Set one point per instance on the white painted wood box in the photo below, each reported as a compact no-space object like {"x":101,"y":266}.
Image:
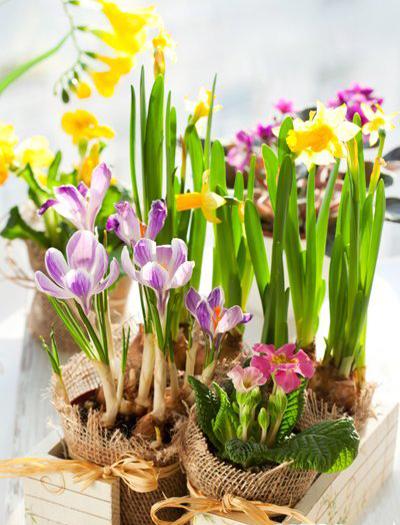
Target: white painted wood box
{"x":332,"y":499}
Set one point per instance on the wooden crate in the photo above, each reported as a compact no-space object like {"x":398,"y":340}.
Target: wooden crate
{"x":342,"y":497}
{"x":332,"y":499}
{"x":57,"y":500}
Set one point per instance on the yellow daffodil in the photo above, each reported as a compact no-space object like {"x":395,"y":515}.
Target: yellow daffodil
{"x":206,"y":200}
{"x":105,"y":81}
{"x":163,"y":45}
{"x":36,"y":152}
{"x":378,"y":119}
{"x":82,"y":125}
{"x":8,"y":142}
{"x":82,"y":90}
{"x":322,"y":138}
{"x":88,"y":164}
{"x":201,"y":107}
{"x":129,"y":28}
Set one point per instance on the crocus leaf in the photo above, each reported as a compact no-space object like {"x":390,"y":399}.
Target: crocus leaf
{"x":271,"y":170}
{"x":132,"y":154}
{"x":207,"y":406}
{"x":218,"y":168}
{"x":329,"y":446}
{"x":17,"y":228}
{"x":53,"y":172}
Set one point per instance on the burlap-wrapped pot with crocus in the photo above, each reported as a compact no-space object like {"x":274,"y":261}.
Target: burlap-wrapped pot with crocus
{"x":59,"y":204}
{"x":241,"y":438}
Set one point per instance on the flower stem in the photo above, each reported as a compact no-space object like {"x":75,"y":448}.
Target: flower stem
{"x":146,"y":371}
{"x":174,"y":381}
{"x":191,"y":355}
{"x":110,"y":394}
{"x":160,"y":383}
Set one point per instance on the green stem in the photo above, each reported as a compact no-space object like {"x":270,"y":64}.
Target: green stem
{"x":21,"y":70}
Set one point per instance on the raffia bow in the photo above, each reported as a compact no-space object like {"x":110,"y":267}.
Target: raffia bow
{"x":259,"y":513}
{"x":138,"y":474}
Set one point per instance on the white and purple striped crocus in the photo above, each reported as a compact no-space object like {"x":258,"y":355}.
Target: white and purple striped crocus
{"x":81,"y":205}
{"x":130,"y":229}
{"x":82,"y":275}
{"x":214,"y":319}
{"x":161,"y":268}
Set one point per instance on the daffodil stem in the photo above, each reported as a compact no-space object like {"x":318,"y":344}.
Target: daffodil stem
{"x":21,"y":70}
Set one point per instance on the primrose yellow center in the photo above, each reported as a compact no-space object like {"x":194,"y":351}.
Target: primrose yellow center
{"x":317,"y":139}
{"x":281,"y":359}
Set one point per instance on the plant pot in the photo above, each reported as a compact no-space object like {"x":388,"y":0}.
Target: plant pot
{"x":86,"y":439}
{"x":213,"y":477}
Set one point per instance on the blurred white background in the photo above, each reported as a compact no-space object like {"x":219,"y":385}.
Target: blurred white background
{"x":261,"y":50}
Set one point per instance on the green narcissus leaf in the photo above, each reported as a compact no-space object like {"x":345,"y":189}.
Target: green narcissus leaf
{"x":283,"y":148}
{"x":17,"y":228}
{"x":329,"y":446}
{"x":53,"y":172}
{"x":207,"y":406}
{"x":294,"y":408}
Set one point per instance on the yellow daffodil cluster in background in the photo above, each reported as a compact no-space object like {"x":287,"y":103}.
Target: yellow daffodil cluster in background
{"x":14,"y":156}
{"x":87,"y":134}
{"x":200,"y":108}
{"x":378,"y":120}
{"x":322,"y":138}
{"x":206,"y":200}
{"x":125,"y":36}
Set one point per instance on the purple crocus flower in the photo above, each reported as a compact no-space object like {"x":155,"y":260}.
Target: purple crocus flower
{"x":82,"y":275}
{"x":129,"y":229}
{"x":213,"y":318}
{"x":158,"y":267}
{"x":353,"y":97}
{"x":80,"y":205}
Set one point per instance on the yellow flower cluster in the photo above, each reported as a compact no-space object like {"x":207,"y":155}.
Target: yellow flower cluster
{"x":34,"y":151}
{"x":86,"y":132}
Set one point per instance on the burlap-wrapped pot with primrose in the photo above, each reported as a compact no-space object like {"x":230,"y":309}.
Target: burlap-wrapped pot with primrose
{"x":60,"y":203}
{"x":241,"y":438}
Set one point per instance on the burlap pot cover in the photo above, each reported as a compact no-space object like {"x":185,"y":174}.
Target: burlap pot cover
{"x":317,"y":409}
{"x":90,"y":441}
{"x":42,"y":317}
{"x":281,"y":485}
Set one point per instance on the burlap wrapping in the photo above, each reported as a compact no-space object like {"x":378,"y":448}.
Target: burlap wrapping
{"x":281,"y":485}
{"x":42,"y":317}
{"x":317,"y":409}
{"x":90,"y":441}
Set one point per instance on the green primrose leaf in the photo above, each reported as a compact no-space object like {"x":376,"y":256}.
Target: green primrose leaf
{"x":294,"y":408}
{"x":17,"y":228}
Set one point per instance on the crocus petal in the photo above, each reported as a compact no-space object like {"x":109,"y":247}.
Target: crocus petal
{"x":100,"y":265}
{"x":230,"y":318}
{"x":182,"y":275}
{"x":203,"y":316}
{"x":164,"y":255}
{"x":48,"y":204}
{"x":81,"y":250}
{"x":127,"y":264}
{"x":56,"y":265}
{"x":288,"y":380}
{"x":179,"y":254}
{"x":80,"y":284}
{"x":157,"y":216}
{"x":71,"y":205}
{"x":246,"y":318}
{"x":144,"y":251}
{"x":306,"y":366}
{"x":125,"y":223}
{"x":111,"y":277}
{"x":45,"y":285}
{"x":83,"y":189}
{"x":155,"y":276}
{"x":192,"y":299}
{"x":216,"y":298}
{"x":99,"y":185}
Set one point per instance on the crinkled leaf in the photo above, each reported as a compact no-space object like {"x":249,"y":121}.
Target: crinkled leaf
{"x":226,"y":421}
{"x":294,"y":408}
{"x":207,"y":406}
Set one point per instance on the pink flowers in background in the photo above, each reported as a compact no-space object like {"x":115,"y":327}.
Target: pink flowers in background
{"x":80,"y":205}
{"x":285,"y":106}
{"x":284,"y":364}
{"x":82,"y":275}
{"x":130,"y":229}
{"x":353,"y":97}
{"x":246,"y":379}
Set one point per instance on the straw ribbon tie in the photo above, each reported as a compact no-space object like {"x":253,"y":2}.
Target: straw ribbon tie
{"x":260,"y":513}
{"x":138,"y":474}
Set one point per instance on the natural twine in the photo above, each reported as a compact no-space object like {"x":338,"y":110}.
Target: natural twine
{"x":259,"y":513}
{"x":138,"y":474}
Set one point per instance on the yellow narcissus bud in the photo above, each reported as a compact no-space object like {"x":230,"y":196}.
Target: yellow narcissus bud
{"x":83,"y":126}
{"x":82,"y":90}
{"x":201,"y":107}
